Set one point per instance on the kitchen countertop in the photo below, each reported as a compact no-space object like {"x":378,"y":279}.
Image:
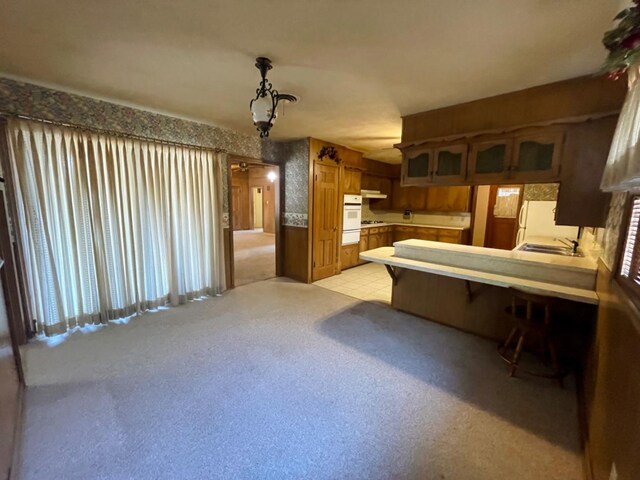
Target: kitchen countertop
{"x":553,"y":263}
{"x":446,"y":227}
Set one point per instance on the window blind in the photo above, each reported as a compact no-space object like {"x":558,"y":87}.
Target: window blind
{"x":630,"y":265}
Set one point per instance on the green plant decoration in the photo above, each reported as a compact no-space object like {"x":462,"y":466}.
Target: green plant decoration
{"x":623,"y":42}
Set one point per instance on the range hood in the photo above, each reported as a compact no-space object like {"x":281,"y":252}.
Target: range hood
{"x":372,"y":194}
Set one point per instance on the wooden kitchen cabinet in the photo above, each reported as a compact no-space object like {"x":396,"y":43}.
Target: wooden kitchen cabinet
{"x":408,"y":198}
{"x":536,"y":156}
{"x":489,"y":161}
{"x":381,"y":184}
{"x":349,"y":256}
{"x":406,"y":232}
{"x":585,"y":151}
{"x":450,"y":164}
{"x":417,"y":166}
{"x":448,"y":199}
{"x":352,"y":181}
{"x":364,"y":244}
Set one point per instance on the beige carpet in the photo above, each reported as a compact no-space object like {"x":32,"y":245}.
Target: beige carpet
{"x":282,"y":380}
{"x":255,"y":256}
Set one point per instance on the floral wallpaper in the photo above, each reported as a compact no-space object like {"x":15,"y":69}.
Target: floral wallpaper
{"x":541,"y":191}
{"x":45,"y":103}
{"x":294,"y":158}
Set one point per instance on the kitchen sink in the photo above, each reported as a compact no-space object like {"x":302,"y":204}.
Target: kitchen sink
{"x":550,"y":249}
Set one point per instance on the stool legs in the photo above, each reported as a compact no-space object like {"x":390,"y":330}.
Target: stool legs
{"x":507,"y":343}
{"x":516,"y":355}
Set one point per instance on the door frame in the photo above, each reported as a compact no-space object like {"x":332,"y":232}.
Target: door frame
{"x":229,"y":251}
{"x":493,"y":192}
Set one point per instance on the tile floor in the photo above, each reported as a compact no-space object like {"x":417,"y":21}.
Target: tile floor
{"x":369,"y":282}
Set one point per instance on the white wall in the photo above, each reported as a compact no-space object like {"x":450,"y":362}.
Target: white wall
{"x":480,"y":219}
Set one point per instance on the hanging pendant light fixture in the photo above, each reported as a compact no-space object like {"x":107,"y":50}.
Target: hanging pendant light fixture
{"x":264,"y":108}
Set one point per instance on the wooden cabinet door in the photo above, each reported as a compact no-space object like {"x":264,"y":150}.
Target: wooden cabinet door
{"x":325,"y":220}
{"x":417,"y":167}
{"x":408,"y":198}
{"x":399,"y":196}
{"x":376,"y":240}
{"x":489,"y":161}
{"x":537,"y":156}
{"x":401,"y":232}
{"x":349,"y":256}
{"x":425,"y":233}
{"x":450,"y":164}
{"x":364,"y":244}
{"x":352,"y":181}
{"x":382,"y":184}
{"x":450,"y":236}
{"x":448,"y":199}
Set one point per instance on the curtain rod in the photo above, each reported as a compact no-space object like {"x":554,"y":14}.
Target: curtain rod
{"x":116,"y":133}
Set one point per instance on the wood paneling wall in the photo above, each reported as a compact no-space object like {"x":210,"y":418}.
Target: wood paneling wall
{"x":296,"y":247}
{"x":612,"y":385}
{"x":578,"y":97}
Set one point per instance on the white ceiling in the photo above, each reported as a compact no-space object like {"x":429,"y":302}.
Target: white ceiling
{"x":356,"y":65}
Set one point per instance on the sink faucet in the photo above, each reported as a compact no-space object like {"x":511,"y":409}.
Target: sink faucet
{"x":572,"y":244}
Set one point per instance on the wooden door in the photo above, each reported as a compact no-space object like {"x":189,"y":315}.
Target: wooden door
{"x":326,"y":204}
{"x":240,"y":200}
{"x":240,"y":220}
{"x":502,"y":218}
{"x":269,"y":208}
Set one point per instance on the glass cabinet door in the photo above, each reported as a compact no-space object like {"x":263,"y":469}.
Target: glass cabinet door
{"x":450,"y":164}
{"x":417,"y":167}
{"x":490,"y":160}
{"x":537,"y":156}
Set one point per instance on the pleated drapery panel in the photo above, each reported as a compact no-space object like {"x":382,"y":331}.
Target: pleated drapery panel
{"x":113,"y":226}
{"x":622,"y":172}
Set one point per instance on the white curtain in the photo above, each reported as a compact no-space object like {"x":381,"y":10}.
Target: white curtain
{"x":623,"y":165}
{"x":112,"y":226}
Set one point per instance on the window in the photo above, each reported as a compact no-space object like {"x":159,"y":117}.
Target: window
{"x":630,"y":264}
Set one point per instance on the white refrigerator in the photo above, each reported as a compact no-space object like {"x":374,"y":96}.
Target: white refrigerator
{"x":537,"y":219}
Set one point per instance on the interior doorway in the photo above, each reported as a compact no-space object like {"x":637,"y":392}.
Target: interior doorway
{"x":254,"y":205}
{"x":504,"y":204}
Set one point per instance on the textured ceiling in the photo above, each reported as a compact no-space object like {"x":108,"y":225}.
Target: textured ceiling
{"x":356,"y":65}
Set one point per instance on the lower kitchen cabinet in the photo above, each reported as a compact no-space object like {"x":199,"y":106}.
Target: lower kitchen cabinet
{"x":349,"y":256}
{"x":406,"y":232}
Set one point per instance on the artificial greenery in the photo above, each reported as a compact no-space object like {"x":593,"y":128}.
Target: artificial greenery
{"x":623,"y":42}
{"x":331,"y":152}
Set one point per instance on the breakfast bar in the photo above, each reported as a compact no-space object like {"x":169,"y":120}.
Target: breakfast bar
{"x":467,"y":287}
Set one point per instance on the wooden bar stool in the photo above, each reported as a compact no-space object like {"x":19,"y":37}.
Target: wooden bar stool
{"x":532,"y":314}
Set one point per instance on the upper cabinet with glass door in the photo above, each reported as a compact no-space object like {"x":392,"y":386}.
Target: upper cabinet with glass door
{"x":537,"y":155}
{"x":450,"y":164}
{"x":417,"y":166}
{"x":489,"y":161}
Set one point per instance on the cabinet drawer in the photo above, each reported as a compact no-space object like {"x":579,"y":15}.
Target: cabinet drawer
{"x":402,"y":228}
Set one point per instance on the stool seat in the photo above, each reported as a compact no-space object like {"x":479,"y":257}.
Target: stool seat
{"x":532,"y":316}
